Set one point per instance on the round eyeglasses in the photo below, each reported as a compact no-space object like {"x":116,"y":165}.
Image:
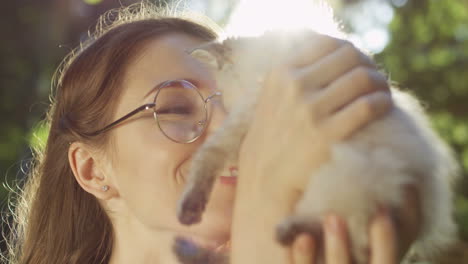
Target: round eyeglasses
{"x":178,"y":108}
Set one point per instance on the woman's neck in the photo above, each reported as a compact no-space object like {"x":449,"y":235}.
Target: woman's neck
{"x":142,"y":246}
{"x":135,"y":243}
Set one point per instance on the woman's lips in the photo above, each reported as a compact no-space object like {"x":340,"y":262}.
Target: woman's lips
{"x":232,"y":178}
{"x":228,"y":180}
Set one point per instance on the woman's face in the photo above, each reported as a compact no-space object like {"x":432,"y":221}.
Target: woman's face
{"x":148,"y":169}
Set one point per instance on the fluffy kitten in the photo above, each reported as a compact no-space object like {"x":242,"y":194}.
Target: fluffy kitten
{"x":369,"y":169}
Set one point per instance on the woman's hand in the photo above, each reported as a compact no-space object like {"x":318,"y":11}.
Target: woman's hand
{"x":383,"y":243}
{"x":322,"y":95}
{"x":391,"y":235}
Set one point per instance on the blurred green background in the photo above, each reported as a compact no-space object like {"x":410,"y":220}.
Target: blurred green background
{"x":422,"y":44}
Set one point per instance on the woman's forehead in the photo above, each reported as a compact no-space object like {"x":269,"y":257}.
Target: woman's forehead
{"x":165,"y":55}
{"x":164,"y":58}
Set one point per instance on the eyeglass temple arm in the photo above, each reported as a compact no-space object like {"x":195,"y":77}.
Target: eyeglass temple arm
{"x":123,"y":118}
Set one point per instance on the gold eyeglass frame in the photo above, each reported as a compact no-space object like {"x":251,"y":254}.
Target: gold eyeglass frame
{"x":155,"y":114}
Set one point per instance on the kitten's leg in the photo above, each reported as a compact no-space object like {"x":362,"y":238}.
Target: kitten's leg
{"x":207,"y":163}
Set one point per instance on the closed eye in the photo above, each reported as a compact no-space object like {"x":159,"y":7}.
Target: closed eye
{"x":183,"y":110}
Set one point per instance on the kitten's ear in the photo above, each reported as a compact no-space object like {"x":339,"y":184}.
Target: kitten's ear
{"x":212,"y":54}
{"x":205,"y":57}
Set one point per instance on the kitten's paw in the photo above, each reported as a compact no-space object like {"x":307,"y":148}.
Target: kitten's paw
{"x":292,"y":226}
{"x":191,"y":207}
{"x":186,"y":251}
{"x":189,"y":253}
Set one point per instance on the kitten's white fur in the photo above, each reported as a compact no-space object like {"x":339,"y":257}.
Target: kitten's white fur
{"x":369,"y":169}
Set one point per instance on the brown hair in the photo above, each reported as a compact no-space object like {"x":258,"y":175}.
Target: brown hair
{"x":56,"y":221}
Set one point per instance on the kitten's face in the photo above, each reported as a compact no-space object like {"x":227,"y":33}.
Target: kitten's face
{"x":238,"y":64}
{"x":241,"y":63}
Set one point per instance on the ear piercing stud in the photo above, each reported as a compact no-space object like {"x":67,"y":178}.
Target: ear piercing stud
{"x":105,"y":188}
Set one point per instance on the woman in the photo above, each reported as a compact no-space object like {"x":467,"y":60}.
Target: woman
{"x":106,"y":185}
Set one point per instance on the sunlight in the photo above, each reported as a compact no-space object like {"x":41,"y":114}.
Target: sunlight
{"x":375,"y":39}
{"x":253,"y":17}
{"x":368,"y":23}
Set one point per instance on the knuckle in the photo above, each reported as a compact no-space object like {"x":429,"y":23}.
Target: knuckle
{"x":286,"y":78}
{"x":354,"y":53}
{"x":351,"y":52}
{"x":366,"y":108}
{"x":309,"y":34}
{"x":364,"y":77}
{"x":330,"y":41}
{"x":281,"y":74}
{"x":382,"y":80}
{"x":346,"y":42}
{"x":290,"y":78}
{"x":318,"y":114}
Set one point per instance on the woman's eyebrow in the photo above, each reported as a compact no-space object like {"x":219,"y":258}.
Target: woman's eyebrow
{"x":156,"y":87}
{"x":152,"y":90}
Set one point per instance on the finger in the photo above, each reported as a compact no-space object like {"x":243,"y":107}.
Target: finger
{"x":383,"y":240}
{"x":315,"y":47}
{"x":336,"y":244}
{"x":304,"y":249}
{"x":347,"y":88}
{"x":284,"y":75}
{"x":407,"y":219}
{"x":359,"y":113}
{"x":332,"y":66}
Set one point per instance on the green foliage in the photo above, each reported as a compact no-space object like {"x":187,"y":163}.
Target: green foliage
{"x":92,"y":2}
{"x":38,"y":136}
{"x":461,"y":214}
{"x":428,"y":54}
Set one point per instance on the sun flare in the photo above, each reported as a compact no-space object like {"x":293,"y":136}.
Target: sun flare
{"x":253,"y":17}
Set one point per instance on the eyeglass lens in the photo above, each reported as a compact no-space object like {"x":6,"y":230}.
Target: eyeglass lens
{"x":180,"y":111}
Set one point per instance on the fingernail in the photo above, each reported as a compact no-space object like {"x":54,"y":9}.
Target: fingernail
{"x":384,"y":213}
{"x":333,"y":223}
{"x":382,"y":210}
{"x":381,"y":101}
{"x":305,"y":243}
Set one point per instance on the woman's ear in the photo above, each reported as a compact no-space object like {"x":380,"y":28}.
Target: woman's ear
{"x":88,"y":174}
